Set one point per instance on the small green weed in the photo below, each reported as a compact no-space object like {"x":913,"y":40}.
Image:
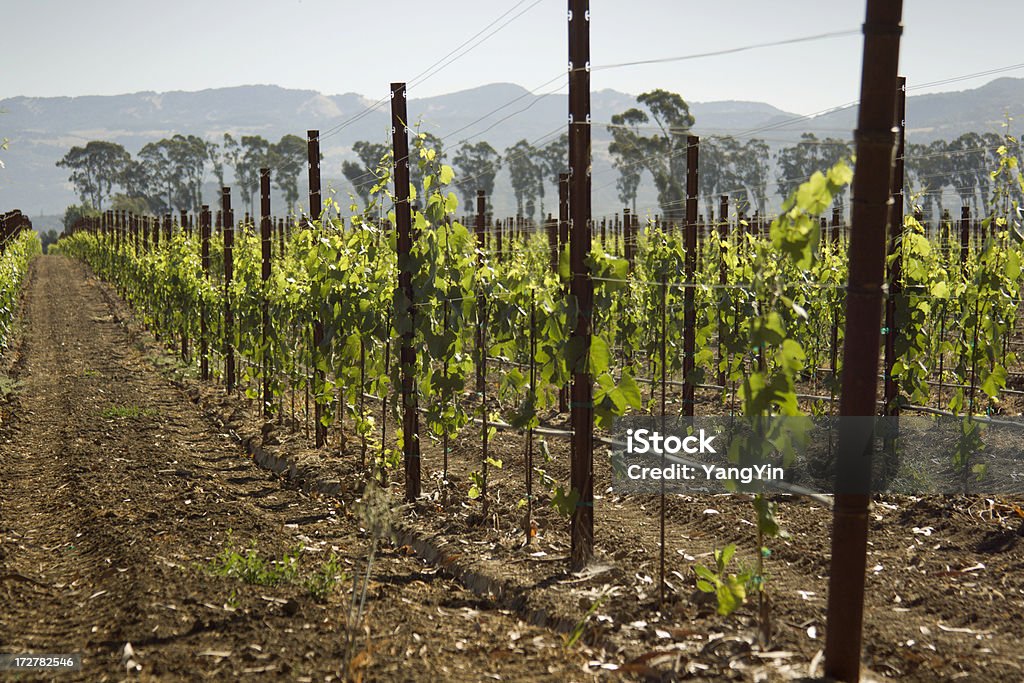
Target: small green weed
{"x":250,"y":568}
{"x":323,"y":582}
{"x":730,"y":589}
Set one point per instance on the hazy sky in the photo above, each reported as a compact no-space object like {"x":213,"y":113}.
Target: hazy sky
{"x":74,"y":47}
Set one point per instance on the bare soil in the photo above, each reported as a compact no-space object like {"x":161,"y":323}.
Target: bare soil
{"x":117,"y":494}
{"x":118,"y":491}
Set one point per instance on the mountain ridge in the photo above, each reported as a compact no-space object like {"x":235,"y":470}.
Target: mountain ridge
{"x":41,"y":130}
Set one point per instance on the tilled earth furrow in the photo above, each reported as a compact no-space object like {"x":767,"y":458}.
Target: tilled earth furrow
{"x":117,"y":497}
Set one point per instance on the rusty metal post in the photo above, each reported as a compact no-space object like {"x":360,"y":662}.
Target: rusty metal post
{"x":266,"y":232}
{"x":891,"y":393}
{"x":965,"y":235}
{"x":481,"y":239}
{"x":403,"y":220}
{"x":723,"y":278}
{"x":551,"y":228}
{"x":498,"y":246}
{"x":581,"y":406}
{"x":690,"y":269}
{"x":627,"y":239}
{"x":872,"y":187}
{"x":315,"y":214}
{"x":204,"y":343}
{"x":563,"y":241}
{"x":228,"y":230}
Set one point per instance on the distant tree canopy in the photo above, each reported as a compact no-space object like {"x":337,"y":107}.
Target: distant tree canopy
{"x":798,"y":162}
{"x":363,"y":174}
{"x":288,"y":159}
{"x":526,"y":175}
{"x":662,"y":153}
{"x":95,"y":169}
{"x":553,"y":161}
{"x":76,"y":212}
{"x":167,"y":175}
{"x":477,"y":165}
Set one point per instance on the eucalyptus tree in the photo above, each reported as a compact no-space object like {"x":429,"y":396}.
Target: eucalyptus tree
{"x":253,"y":153}
{"x":663,"y":153}
{"x":478,"y":164}
{"x":553,"y":159}
{"x":966,"y":167}
{"x":156,"y":175}
{"x":188,"y":156}
{"x":288,"y":159}
{"x":798,"y":162}
{"x":95,"y":169}
{"x":526,"y":176}
{"x":752,"y":168}
{"x":719,"y":162}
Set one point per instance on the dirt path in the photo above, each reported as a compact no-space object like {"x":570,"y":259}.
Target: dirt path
{"x":117,"y":496}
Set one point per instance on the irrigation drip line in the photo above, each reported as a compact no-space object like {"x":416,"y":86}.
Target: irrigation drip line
{"x":973,"y":418}
{"x":782,"y":486}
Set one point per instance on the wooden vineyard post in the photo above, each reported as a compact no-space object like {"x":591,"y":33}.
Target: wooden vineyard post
{"x":227,"y":219}
{"x":891,"y":393}
{"x":315,"y":214}
{"x":837,"y":220}
{"x":183,"y":224}
{"x":723,"y":280}
{"x":581,"y":286}
{"x":168,"y":225}
{"x":690,"y":269}
{"x":266,"y":232}
{"x":407,"y":357}
{"x":481,"y":239}
{"x":872,"y":187}
{"x":204,"y":343}
{"x":563,"y":241}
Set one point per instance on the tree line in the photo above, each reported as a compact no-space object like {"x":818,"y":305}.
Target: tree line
{"x":648,"y":140}
{"x":169,"y":174}
{"x":651,"y":138}
{"x":963,"y":165}
{"x":532,"y":170}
